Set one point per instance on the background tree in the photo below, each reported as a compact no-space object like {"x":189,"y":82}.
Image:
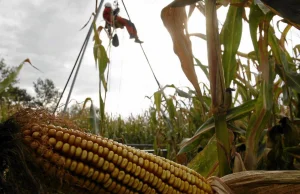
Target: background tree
{"x":47,"y":94}
{"x":19,"y":96}
{"x":13,"y":94}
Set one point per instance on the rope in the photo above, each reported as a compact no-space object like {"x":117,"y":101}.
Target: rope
{"x":159,"y":86}
{"x":150,"y":67}
{"x":126,"y":10}
{"x":144,"y":51}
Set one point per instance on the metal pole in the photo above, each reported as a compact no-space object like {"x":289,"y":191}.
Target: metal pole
{"x":83,"y":52}
{"x":61,"y":95}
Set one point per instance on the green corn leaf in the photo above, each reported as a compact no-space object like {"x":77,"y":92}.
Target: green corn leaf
{"x":96,"y":35}
{"x":255,"y":17}
{"x":247,"y":85}
{"x":205,"y":162}
{"x":180,"y":93}
{"x":221,"y":36}
{"x":205,"y":87}
{"x":102,"y":59}
{"x":284,"y":34}
{"x":196,"y":109}
{"x":278,"y":89}
{"x":285,"y":97}
{"x":94,"y":120}
{"x":100,"y":56}
{"x":95,"y":51}
{"x":102,"y":64}
{"x":204,"y":68}
{"x":241,"y":91}
{"x":209,"y":124}
{"x":206,"y":101}
{"x":262,"y":112}
{"x":278,"y":53}
{"x":12,"y":76}
{"x":240,"y":111}
{"x":293,"y":80}
{"x":259,"y":120}
{"x":236,"y":129}
{"x":235,"y":99}
{"x":103,"y":81}
{"x":153,"y":115}
{"x":257,"y":123}
{"x":171,"y":108}
{"x":231,"y":42}
{"x":248,"y":71}
{"x":157,"y":100}
{"x":84,"y":104}
{"x":252,"y":55}
{"x":200,"y":139}
{"x":102,"y":108}
{"x":206,"y":128}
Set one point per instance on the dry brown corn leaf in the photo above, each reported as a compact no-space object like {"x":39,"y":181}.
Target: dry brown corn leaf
{"x":262,"y":182}
{"x":175,"y":20}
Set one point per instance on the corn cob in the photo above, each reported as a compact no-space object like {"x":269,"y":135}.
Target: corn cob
{"x":100,"y":165}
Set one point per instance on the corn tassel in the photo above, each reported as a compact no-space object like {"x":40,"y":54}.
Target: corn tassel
{"x":100,"y":165}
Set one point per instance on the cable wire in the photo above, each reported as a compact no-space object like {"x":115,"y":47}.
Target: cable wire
{"x":126,"y":10}
{"x":159,"y":86}
{"x":150,"y":67}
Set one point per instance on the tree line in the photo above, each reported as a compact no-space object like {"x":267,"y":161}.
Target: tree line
{"x":46,"y":94}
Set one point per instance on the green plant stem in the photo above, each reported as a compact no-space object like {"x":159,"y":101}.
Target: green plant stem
{"x":222,"y":144}
{"x":217,"y":86}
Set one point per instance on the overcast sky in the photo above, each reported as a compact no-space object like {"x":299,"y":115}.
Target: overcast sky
{"x":47,"y":32}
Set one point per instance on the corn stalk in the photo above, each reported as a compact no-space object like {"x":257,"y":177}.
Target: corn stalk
{"x":217,"y":86}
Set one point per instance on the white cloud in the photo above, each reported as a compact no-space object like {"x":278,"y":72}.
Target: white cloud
{"x":48,"y":33}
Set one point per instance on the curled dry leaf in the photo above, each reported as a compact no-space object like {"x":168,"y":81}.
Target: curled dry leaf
{"x":262,"y":182}
{"x":28,"y":61}
{"x":175,"y":20}
{"x":238,"y":163}
{"x":99,"y":29}
{"x":218,"y":186}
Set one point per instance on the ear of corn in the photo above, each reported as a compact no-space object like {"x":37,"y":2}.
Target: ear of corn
{"x":100,"y":165}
